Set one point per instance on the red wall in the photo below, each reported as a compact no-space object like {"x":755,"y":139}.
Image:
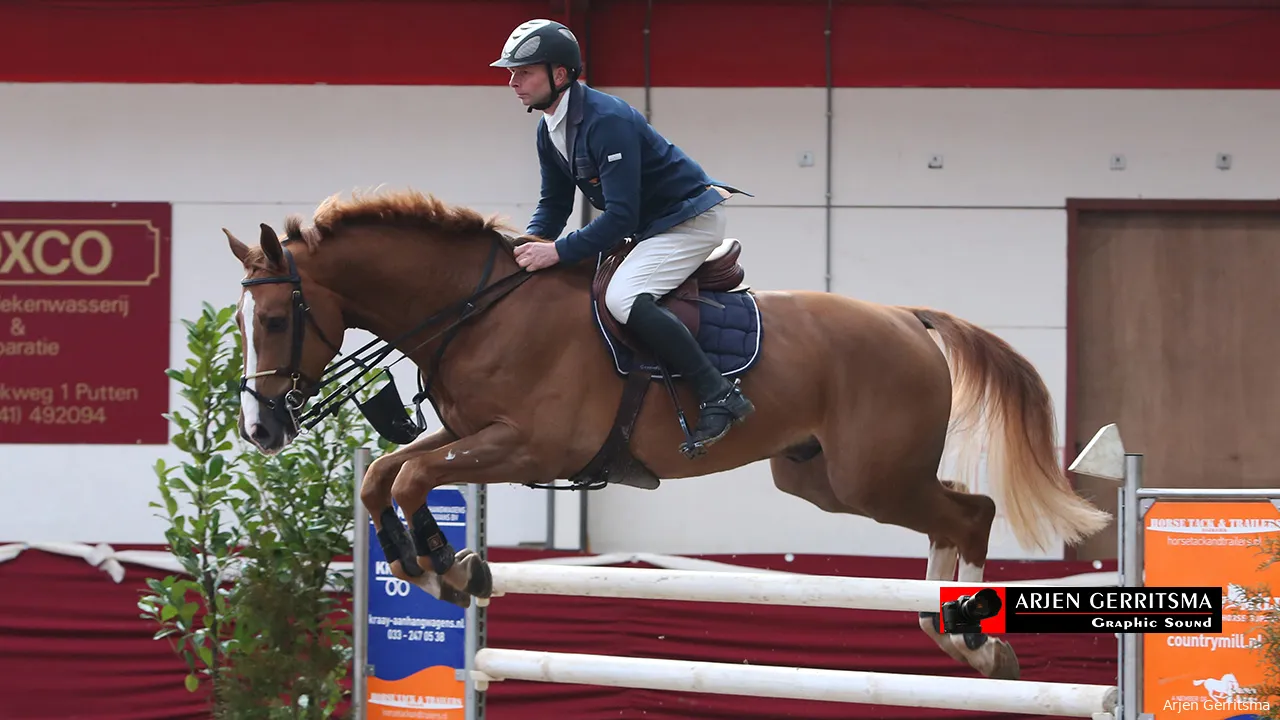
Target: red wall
{"x":700,"y":43}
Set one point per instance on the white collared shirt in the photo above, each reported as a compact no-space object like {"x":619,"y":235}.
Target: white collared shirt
{"x":556,"y":126}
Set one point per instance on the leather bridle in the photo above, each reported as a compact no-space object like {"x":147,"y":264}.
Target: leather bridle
{"x":385,"y":411}
{"x":285,"y":407}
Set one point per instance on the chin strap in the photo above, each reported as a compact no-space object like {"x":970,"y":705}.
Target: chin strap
{"x":556,"y":92}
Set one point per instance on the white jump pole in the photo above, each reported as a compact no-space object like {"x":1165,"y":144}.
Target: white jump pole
{"x":980,"y":694}
{"x":830,"y":591}
{"x":728,"y":587}
{"x":896,"y":595}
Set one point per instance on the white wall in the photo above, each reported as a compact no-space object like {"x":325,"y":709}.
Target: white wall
{"x":985,"y":236}
{"x":236,"y":156}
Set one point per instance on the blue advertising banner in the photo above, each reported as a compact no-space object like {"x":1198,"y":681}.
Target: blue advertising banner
{"x":416,"y":643}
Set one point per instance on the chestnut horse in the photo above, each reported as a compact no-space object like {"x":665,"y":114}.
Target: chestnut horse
{"x":855,"y":401}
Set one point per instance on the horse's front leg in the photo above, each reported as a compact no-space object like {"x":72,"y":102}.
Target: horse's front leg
{"x":495,"y":454}
{"x":375,"y":490}
{"x":375,"y":494}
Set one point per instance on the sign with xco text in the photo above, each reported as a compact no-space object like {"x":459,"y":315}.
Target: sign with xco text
{"x":1209,"y":674}
{"x":84,"y":322}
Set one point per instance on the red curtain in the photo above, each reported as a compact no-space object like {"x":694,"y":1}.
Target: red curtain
{"x":72,"y":645}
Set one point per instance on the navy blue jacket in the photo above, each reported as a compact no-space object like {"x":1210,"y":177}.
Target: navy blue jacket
{"x":643,"y":184}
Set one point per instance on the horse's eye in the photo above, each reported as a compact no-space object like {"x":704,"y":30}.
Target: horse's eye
{"x":277,"y":324}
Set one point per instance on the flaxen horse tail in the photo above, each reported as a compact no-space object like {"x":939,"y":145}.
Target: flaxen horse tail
{"x":992,"y":382}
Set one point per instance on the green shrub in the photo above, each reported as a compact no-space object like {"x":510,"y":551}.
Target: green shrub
{"x":260,"y":617}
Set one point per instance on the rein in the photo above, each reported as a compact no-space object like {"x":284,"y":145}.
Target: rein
{"x":384,"y":410}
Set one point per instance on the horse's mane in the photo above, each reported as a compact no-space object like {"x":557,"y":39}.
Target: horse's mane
{"x":402,"y":209}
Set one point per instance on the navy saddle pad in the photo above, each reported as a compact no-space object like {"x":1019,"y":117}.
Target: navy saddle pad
{"x":730,"y":335}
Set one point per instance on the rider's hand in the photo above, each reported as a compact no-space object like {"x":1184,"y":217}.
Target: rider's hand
{"x":533,"y":256}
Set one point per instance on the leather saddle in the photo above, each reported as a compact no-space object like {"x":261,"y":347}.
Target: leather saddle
{"x":720,"y":272}
{"x":614,"y":462}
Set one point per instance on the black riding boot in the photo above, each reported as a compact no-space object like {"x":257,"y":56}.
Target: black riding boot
{"x":721,"y":403}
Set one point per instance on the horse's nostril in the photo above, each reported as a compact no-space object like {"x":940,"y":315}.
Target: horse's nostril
{"x":260,"y":433}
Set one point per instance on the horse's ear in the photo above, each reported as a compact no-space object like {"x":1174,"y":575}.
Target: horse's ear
{"x":239,"y":249}
{"x":270,"y":243}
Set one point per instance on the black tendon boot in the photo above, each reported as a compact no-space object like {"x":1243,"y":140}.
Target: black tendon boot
{"x":721,"y":403}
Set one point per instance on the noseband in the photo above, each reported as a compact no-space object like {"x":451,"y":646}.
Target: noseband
{"x":285,"y":407}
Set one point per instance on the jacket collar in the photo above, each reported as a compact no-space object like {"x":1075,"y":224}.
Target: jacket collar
{"x":576,"y":101}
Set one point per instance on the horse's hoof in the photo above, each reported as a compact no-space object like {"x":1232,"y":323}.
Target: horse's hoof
{"x":436,"y":587}
{"x":430,"y":584}
{"x":469,"y":574}
{"x":456,"y":597}
{"x":479,"y":577}
{"x":927,"y":620}
{"x":1006,"y":665}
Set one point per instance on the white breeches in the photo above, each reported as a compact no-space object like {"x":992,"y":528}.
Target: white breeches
{"x":659,"y":264}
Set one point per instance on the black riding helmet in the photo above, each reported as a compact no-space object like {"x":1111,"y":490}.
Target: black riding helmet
{"x":544,"y":42}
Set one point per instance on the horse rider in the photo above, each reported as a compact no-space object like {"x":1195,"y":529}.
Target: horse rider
{"x":648,"y":189}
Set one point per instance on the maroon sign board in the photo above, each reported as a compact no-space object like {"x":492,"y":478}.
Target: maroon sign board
{"x":84,"y":322}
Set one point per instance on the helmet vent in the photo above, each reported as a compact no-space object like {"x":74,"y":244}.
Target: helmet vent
{"x":528,"y":48}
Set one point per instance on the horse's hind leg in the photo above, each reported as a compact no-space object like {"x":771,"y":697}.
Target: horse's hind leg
{"x":958,"y":525}
{"x":941,"y":566}
{"x":966,"y":542}
{"x":991,"y":656}
{"x":807,"y":480}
